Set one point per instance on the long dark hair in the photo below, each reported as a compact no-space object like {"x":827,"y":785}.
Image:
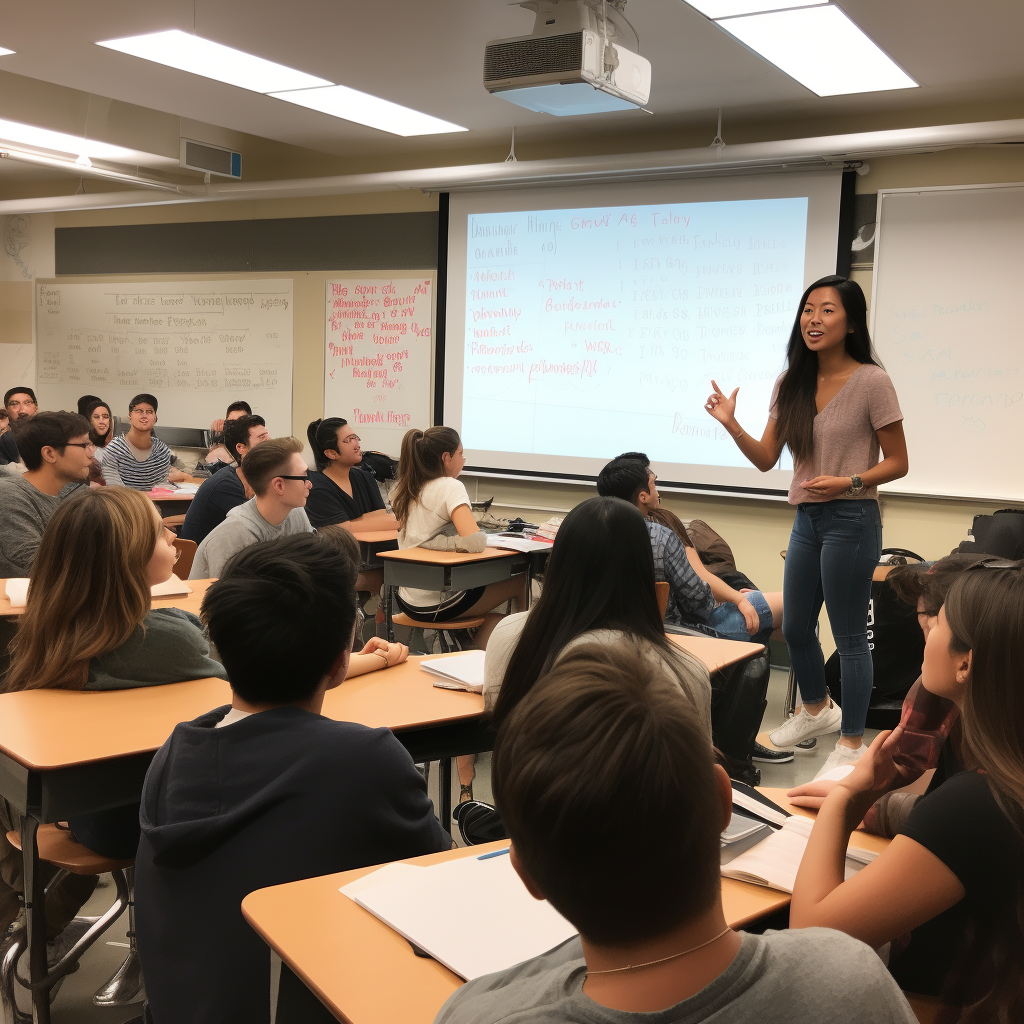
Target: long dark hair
{"x":600,"y":576}
{"x":419,"y":462}
{"x":323,"y":435}
{"x":104,"y":440}
{"x":796,"y":406}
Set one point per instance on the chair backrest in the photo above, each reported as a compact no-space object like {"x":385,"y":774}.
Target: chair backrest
{"x":173,"y":523}
{"x":661,"y":592}
{"x":186,"y":555}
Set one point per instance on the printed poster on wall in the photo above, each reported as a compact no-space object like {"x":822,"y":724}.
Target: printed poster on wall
{"x":377,"y":360}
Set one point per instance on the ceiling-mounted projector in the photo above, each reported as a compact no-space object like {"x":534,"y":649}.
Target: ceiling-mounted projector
{"x":581,"y":59}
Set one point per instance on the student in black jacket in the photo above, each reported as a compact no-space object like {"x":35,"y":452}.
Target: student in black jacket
{"x":264,"y":791}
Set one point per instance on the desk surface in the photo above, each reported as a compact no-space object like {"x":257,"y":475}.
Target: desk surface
{"x":714,"y":652}
{"x":374,"y":536}
{"x":424,"y":556}
{"x":367,"y":974}
{"x":166,"y":493}
{"x":187,"y":602}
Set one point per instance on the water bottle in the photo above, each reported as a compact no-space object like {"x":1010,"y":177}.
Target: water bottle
{"x":926,"y":722}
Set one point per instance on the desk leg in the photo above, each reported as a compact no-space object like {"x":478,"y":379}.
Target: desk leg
{"x":389,"y":629}
{"x":35,"y":918}
{"x":444,"y":793}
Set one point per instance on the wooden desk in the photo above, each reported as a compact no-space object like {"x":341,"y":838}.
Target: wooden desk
{"x":186,"y":602}
{"x":423,"y":569}
{"x":365,"y":973}
{"x":715,"y":652}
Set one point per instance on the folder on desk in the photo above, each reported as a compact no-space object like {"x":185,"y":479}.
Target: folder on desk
{"x":474,"y":916}
{"x":458,"y":671}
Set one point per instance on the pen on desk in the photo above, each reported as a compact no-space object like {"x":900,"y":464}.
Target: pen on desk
{"x":494,"y":853}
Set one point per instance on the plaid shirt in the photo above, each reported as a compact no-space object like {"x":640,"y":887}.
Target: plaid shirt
{"x":689,"y":598}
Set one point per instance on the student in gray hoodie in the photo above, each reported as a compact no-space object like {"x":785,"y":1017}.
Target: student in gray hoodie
{"x":265,"y":791}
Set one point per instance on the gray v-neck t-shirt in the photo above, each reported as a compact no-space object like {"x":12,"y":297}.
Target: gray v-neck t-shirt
{"x":845,"y":441}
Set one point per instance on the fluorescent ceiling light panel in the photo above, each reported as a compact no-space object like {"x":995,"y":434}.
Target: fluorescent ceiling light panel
{"x":362,"y":108}
{"x":43,"y":138}
{"x":731,"y":8}
{"x":198,"y":56}
{"x":4,"y":51}
{"x":822,"y":49}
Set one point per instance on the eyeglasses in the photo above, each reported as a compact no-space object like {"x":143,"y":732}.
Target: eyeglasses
{"x":284,"y":476}
{"x":350,"y":439}
{"x":81,"y":444}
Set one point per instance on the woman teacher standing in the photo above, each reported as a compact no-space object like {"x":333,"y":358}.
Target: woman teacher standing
{"x":835,"y":407}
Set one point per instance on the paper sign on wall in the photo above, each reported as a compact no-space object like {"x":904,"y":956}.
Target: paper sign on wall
{"x":377,"y":358}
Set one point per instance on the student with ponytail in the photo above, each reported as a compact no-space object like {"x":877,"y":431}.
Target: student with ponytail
{"x":338,"y":495}
{"x":835,"y":408}
{"x":952,"y":877}
{"x":433,"y":510}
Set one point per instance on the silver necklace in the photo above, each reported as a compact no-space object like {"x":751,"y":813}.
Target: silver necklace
{"x":663,"y":960}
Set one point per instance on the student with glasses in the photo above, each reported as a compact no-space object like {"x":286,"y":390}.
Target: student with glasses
{"x":279,"y":478}
{"x":57,"y":454}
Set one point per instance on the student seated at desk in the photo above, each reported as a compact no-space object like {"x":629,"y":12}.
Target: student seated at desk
{"x":222,"y":454}
{"x":605,"y":777}
{"x":101,"y":433}
{"x":139,"y":459}
{"x":265,"y":791}
{"x":433,"y":510}
{"x":696,"y":597}
{"x":599,"y":586}
{"x":20,"y":405}
{"x":226,"y":489}
{"x":279,"y":478}
{"x":338,"y":494}
{"x":88,"y":625}
{"x":952,"y":877}
{"x":57,"y":455}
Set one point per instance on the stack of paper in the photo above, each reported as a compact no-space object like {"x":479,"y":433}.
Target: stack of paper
{"x":517,"y":542}
{"x":457,"y":671}
{"x":17,"y":591}
{"x":472,"y":914}
{"x":775,"y":861}
{"x":169,"y":588}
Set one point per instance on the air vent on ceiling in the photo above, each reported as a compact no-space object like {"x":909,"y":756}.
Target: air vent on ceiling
{"x":200,"y":156}
{"x":521,"y":58}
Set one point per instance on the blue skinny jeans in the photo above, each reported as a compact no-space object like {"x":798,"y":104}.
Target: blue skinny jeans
{"x":832,"y":553}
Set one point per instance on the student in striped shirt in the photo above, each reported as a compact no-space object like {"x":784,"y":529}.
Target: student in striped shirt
{"x":139,"y":459}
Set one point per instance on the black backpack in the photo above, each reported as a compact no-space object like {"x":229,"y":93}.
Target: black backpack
{"x":1000,"y":534}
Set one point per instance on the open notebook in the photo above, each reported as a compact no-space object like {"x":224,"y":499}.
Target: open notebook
{"x":472,"y":914}
{"x":458,"y":672}
{"x":774,"y":861}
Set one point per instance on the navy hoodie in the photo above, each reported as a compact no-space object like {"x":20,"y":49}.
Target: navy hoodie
{"x":278,"y":796}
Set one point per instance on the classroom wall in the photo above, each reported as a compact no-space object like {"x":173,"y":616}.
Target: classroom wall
{"x":757,"y":530}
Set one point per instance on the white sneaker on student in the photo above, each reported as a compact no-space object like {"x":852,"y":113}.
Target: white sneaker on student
{"x":805,"y":725}
{"x":840,"y":757}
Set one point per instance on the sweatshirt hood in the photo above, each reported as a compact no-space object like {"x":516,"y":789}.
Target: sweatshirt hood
{"x":205,"y":784}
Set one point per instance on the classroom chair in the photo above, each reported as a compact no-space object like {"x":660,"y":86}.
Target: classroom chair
{"x":174,"y":523}
{"x":446,"y":631}
{"x":186,"y":556}
{"x":58,"y":847}
{"x":661,"y":592}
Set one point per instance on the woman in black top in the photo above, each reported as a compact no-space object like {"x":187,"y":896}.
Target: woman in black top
{"x":953,"y":877}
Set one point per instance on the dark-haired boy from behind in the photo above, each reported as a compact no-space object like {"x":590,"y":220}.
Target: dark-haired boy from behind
{"x":267,"y":790}
{"x":606,"y":782}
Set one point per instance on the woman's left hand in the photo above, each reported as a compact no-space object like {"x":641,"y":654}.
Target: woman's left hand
{"x":176,"y":476}
{"x":827,"y":487}
{"x":876,"y":774}
{"x":394,"y":653}
{"x":750,"y":616}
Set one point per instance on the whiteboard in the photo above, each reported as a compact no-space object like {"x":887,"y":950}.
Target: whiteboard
{"x":378,"y":355}
{"x":948,"y":272}
{"x":195,"y":345}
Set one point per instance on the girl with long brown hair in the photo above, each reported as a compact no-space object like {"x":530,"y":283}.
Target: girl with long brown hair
{"x":835,"y":409}
{"x":88,"y":624}
{"x":953,"y":877}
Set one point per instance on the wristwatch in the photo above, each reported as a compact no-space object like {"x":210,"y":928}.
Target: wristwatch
{"x":856,"y":485}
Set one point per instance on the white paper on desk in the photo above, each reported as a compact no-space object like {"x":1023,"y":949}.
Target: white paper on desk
{"x":775,"y":861}
{"x":474,"y":916}
{"x":17,"y":591}
{"x":496,"y":540}
{"x":387,"y":873}
{"x":169,"y":588}
{"x":458,"y":672}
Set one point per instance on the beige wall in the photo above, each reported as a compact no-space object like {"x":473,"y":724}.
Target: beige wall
{"x":757,"y":530}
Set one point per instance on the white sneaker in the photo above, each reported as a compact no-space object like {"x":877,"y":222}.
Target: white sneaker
{"x":805,"y":725}
{"x":840,"y":757}
{"x":55,"y":950}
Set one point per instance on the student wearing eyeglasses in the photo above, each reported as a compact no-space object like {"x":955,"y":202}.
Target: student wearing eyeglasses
{"x":57,"y":454}
{"x":279,"y":477}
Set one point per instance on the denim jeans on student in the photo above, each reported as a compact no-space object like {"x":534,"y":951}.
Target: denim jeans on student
{"x":832,"y":553}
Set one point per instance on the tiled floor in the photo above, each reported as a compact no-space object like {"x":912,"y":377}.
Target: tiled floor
{"x":74,"y":1002}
